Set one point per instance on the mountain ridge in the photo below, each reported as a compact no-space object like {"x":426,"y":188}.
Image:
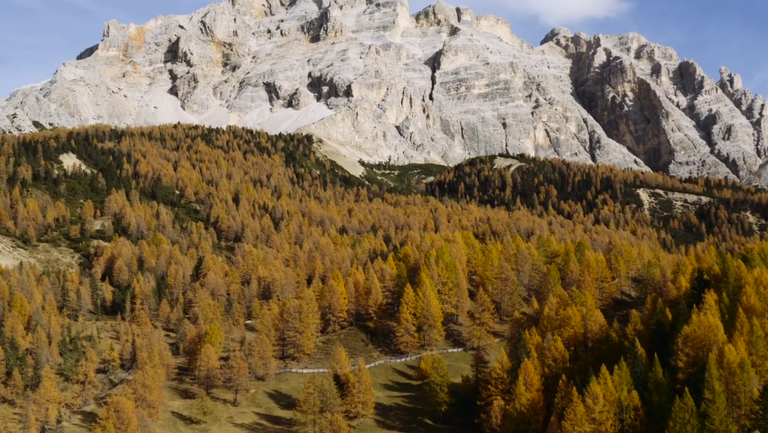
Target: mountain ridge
{"x":440,"y":86}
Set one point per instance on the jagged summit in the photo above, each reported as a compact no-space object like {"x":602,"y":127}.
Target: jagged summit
{"x":379,"y":83}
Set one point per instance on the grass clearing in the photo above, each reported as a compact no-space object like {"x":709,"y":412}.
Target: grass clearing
{"x":268,"y":406}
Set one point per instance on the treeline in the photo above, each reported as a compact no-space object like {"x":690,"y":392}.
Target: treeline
{"x":195,"y":232}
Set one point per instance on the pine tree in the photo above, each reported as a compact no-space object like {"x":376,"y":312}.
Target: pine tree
{"x":237,"y":373}
{"x":714,"y":406}
{"x":359,"y":399}
{"x":684,"y":417}
{"x":406,"y":336}
{"x":208,"y":368}
{"x":436,"y":387}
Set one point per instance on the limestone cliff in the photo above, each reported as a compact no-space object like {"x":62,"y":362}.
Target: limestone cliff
{"x":384,"y":84}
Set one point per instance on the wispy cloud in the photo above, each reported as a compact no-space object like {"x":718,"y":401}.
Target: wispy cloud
{"x":562,"y":12}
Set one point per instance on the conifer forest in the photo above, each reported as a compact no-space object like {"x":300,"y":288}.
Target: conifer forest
{"x":183,"y":278}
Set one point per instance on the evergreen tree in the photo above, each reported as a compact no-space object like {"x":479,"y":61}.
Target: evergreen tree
{"x":684,"y":417}
{"x":714,"y":405}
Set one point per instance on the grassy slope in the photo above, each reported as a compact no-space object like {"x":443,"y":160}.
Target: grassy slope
{"x":268,"y":407}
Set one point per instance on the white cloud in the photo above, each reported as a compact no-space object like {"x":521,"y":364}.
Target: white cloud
{"x":562,"y":12}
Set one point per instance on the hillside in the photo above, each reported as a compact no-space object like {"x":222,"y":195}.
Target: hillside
{"x":379,"y":82}
{"x":210,"y":258}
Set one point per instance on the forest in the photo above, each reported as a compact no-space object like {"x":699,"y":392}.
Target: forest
{"x":214,"y":258}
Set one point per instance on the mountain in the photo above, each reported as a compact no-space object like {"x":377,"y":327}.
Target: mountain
{"x":377,"y":83}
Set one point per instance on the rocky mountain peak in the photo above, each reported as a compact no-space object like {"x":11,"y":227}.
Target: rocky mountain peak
{"x":378,"y":83}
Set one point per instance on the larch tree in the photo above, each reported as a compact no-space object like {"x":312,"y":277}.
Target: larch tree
{"x":436,"y":387}
{"x":495,"y":393}
{"x":629,"y":408}
{"x":482,"y":317}
{"x":684,"y":416}
{"x":310,"y":323}
{"x":374,"y":298}
{"x":527,"y":406}
{"x":758,"y":419}
{"x":359,"y":399}
{"x":333,"y":423}
{"x":658,"y":397}
{"x":318,"y":398}
{"x":600,"y":403}
{"x":741,"y":388}
{"x":714,"y":405}
{"x":406,"y":335}
{"x":85,"y":376}
{"x":208,"y":367}
{"x":340,"y":369}
{"x":429,"y":312}
{"x":260,"y":357}
{"x":336,"y":303}
{"x":575,"y":418}
{"x":117,"y":416}
{"x":237,"y":373}
{"x":704,"y":334}
{"x":47,"y":398}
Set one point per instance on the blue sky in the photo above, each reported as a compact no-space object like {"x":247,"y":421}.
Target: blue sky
{"x":39,"y":35}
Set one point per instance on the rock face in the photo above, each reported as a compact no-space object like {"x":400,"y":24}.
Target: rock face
{"x":382,"y":84}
